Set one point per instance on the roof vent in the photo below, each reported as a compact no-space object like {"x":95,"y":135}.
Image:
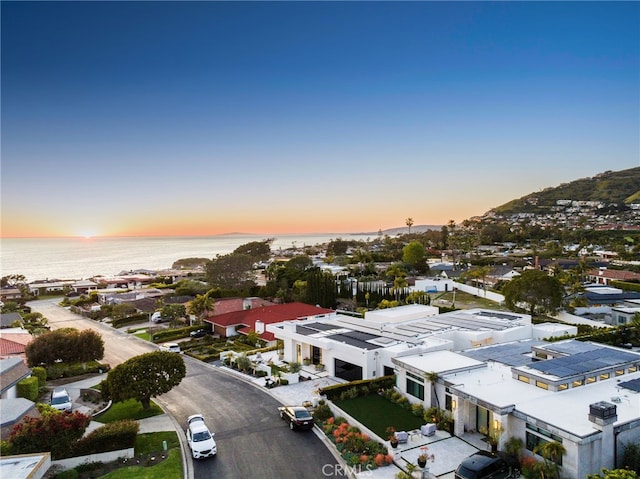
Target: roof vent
{"x":602,"y":413}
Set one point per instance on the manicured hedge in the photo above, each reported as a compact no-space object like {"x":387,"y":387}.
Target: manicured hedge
{"x":136,"y":318}
{"x":625,"y":286}
{"x":28,"y":388}
{"x":169,"y":334}
{"x":384,"y":382}
{"x":41,"y":374}
{"x":110,"y":437}
{"x":67,"y":370}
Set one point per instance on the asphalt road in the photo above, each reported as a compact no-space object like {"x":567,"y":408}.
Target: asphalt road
{"x":253,"y":442}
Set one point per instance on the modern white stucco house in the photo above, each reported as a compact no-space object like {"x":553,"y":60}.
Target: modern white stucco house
{"x":583,"y":395}
{"x":354,"y":348}
{"x":494,"y":369}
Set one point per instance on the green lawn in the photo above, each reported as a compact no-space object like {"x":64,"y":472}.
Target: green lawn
{"x":377,"y":413}
{"x":170,"y":468}
{"x":143,"y":335}
{"x":130,"y":409}
{"x":151,"y":442}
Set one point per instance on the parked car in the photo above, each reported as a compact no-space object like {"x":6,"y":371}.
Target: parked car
{"x":199,"y":438}
{"x":198,"y":333}
{"x":171,"y":347}
{"x":60,"y":400}
{"x":483,"y":465}
{"x":298,"y":416}
{"x":157,"y":317}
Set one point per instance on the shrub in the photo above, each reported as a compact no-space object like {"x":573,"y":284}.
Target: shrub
{"x":384,"y":382}
{"x":68,"y":370}
{"x":284,"y":381}
{"x":417,"y":409}
{"x":5,"y":448}
{"x":41,"y":374}
{"x":68,"y":474}
{"x":323,"y":413}
{"x":110,"y":437}
{"x":295,"y":367}
{"x":28,"y":388}
{"x":54,"y":431}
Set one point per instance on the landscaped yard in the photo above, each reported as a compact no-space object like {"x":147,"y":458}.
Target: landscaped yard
{"x":169,"y":468}
{"x":130,"y":409}
{"x":378,"y":413}
{"x":150,"y":460}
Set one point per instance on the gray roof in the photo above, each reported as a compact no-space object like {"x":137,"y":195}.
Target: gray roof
{"x":7,"y":319}
{"x":13,"y":410}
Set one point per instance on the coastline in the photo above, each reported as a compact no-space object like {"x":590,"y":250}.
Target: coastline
{"x":81,"y":258}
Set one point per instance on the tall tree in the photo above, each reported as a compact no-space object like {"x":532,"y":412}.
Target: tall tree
{"x":257,"y":250}
{"x":173,"y":312}
{"x":144,"y":377}
{"x":231,"y":271}
{"x":67,"y":345}
{"x":535,"y":291}
{"x":409,"y":223}
{"x":414,"y":254}
{"x":201,"y":306}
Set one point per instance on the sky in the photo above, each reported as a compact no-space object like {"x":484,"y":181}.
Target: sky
{"x":201,"y":118}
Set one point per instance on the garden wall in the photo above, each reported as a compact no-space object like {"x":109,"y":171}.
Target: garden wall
{"x":72,"y":462}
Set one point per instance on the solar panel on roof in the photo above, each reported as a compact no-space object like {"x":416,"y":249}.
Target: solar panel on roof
{"x":633,"y":385}
{"x":321,"y":326}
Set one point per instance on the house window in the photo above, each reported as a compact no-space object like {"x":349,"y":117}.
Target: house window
{"x":533,"y":441}
{"x":542,"y":385}
{"x":632,"y":369}
{"x":577,"y":383}
{"x":619,"y":372}
{"x":604,"y":376}
{"x":591,"y":379}
{"x":415,"y":389}
{"x":414,"y":376}
{"x":562,"y":387}
{"x":524,"y":379}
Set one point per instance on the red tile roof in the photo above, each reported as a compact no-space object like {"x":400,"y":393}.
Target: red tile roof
{"x":614,"y":274}
{"x":229,"y":305}
{"x":14,"y":344}
{"x":276,"y":313}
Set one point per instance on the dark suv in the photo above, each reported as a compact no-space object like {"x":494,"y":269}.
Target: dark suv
{"x":483,"y":465}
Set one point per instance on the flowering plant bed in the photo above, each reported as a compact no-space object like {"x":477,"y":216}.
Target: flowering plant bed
{"x":356,"y":447}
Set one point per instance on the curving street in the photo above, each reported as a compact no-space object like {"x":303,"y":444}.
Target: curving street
{"x":253,"y":442}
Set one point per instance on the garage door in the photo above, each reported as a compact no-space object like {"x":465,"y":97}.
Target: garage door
{"x":347,"y":371}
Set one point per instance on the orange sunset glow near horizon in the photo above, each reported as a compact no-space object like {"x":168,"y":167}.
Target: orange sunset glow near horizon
{"x":270,"y":118}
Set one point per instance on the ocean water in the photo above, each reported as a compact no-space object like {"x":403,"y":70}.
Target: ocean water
{"x":80,"y":258}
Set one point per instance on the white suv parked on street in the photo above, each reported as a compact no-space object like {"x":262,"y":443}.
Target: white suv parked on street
{"x":199,"y":438}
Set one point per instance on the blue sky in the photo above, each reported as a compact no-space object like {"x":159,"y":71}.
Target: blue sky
{"x":130,"y":118}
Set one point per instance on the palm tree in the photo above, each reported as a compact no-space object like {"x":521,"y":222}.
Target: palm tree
{"x":201,"y":305}
{"x":409,"y":223}
{"x":552,"y":453}
{"x":399,"y":284}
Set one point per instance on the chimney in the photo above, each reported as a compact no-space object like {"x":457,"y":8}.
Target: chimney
{"x":259,"y":326}
{"x":603,"y":415}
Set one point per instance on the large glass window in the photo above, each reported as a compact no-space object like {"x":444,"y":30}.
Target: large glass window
{"x":415,"y":389}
